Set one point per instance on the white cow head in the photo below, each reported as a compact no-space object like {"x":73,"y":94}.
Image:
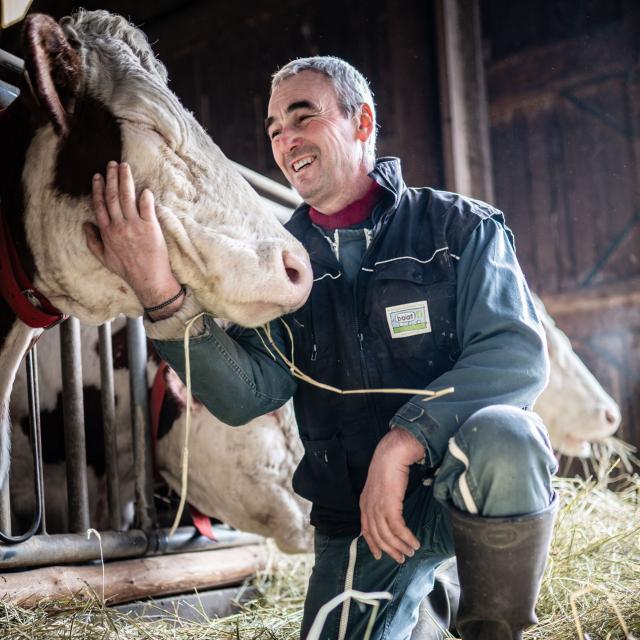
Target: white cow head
{"x":103,"y":95}
{"x":574,"y":406}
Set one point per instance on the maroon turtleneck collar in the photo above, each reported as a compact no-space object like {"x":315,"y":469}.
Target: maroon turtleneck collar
{"x":353,"y":213}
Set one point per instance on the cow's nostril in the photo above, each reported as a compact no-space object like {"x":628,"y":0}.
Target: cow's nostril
{"x":293,"y":266}
{"x":294,"y":275}
{"x":611,"y":416}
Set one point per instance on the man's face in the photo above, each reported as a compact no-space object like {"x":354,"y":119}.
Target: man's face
{"x":313,"y":142}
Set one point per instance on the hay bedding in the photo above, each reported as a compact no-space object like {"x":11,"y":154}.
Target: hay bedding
{"x":591,"y":589}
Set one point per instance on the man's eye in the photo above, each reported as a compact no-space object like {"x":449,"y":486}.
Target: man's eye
{"x":274,"y":134}
{"x":303,"y":118}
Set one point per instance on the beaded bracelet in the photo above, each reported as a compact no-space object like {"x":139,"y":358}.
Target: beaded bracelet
{"x":166,"y":303}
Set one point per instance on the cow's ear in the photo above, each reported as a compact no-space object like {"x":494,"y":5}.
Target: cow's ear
{"x":54,"y":69}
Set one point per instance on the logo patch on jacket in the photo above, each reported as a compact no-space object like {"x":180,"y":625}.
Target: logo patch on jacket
{"x":408,"y":319}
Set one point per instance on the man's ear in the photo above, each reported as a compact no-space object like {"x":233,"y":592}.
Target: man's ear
{"x":365,"y":122}
{"x":54,"y":69}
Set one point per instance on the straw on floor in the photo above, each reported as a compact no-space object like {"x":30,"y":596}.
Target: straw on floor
{"x":591,"y":588}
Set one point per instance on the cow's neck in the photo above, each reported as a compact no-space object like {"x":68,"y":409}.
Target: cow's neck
{"x":15,"y":340}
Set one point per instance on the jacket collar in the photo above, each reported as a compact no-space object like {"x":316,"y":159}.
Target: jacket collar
{"x":387,"y":173}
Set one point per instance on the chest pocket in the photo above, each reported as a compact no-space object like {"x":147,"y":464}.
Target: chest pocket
{"x":411,"y":307}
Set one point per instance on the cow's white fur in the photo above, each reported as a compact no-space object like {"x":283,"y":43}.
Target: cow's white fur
{"x":574,"y":406}
{"x":14,"y":347}
{"x":242,"y":475}
{"x":224,"y":243}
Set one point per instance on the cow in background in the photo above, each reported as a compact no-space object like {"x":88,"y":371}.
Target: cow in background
{"x":96,"y":92}
{"x":574,"y":406}
{"x":242,"y":475}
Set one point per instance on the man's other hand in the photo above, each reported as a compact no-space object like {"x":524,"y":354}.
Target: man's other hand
{"x":128,"y":239}
{"x":381,"y":501}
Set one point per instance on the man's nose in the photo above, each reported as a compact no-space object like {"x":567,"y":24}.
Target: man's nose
{"x":289,"y":138}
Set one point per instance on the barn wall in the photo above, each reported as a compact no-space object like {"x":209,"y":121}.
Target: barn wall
{"x":221,"y":56}
{"x":564,"y":101}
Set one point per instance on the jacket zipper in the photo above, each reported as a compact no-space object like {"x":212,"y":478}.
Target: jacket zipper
{"x":363,"y":364}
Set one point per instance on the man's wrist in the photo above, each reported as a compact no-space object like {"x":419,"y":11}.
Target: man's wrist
{"x":403,"y":444}
{"x":161,"y":305}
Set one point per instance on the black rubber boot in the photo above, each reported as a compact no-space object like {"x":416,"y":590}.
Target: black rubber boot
{"x":500,"y":565}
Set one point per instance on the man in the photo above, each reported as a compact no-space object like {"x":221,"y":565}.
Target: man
{"x":413,"y":288}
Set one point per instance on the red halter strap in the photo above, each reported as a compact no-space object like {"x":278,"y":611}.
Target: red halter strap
{"x":31,"y":306}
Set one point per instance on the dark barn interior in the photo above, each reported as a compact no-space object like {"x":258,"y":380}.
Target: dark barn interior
{"x":562,"y":108}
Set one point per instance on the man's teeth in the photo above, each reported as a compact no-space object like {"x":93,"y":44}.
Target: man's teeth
{"x":301,"y":163}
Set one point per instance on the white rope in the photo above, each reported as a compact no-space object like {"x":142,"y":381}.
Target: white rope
{"x":373,"y":598}
{"x":465,"y":491}
{"x":185,"y":448}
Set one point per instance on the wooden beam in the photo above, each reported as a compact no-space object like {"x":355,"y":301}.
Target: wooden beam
{"x":602,"y":309}
{"x":464,"y":112}
{"x":539,"y":76}
{"x":128,"y":580}
{"x":595,"y":299}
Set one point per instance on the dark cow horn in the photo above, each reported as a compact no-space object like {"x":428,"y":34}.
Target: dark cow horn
{"x":54,"y":68}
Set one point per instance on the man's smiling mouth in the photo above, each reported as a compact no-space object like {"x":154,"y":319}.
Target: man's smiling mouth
{"x":303,"y":162}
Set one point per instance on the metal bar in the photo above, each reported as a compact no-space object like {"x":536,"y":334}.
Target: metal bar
{"x":11,"y":62}
{"x":33,"y":394}
{"x":268,"y":186}
{"x":5,"y":508}
{"x":8,"y":93}
{"x":36,"y":452}
{"x":74,"y":436}
{"x":109,"y":424}
{"x":75,"y":548}
{"x":137,"y":350}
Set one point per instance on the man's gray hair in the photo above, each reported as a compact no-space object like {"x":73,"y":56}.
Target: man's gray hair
{"x":352,"y":88}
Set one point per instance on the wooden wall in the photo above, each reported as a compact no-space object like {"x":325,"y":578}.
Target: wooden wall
{"x":564,"y":100}
{"x":221,"y":55}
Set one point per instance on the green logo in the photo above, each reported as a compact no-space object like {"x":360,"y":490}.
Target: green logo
{"x":408,"y":319}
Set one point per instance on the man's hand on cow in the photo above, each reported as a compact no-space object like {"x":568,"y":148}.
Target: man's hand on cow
{"x":128,"y":239}
{"x":381,"y":501}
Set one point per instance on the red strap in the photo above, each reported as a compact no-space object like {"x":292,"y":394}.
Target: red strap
{"x":202,"y":523}
{"x":15,"y":287}
{"x":158,"y":394}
